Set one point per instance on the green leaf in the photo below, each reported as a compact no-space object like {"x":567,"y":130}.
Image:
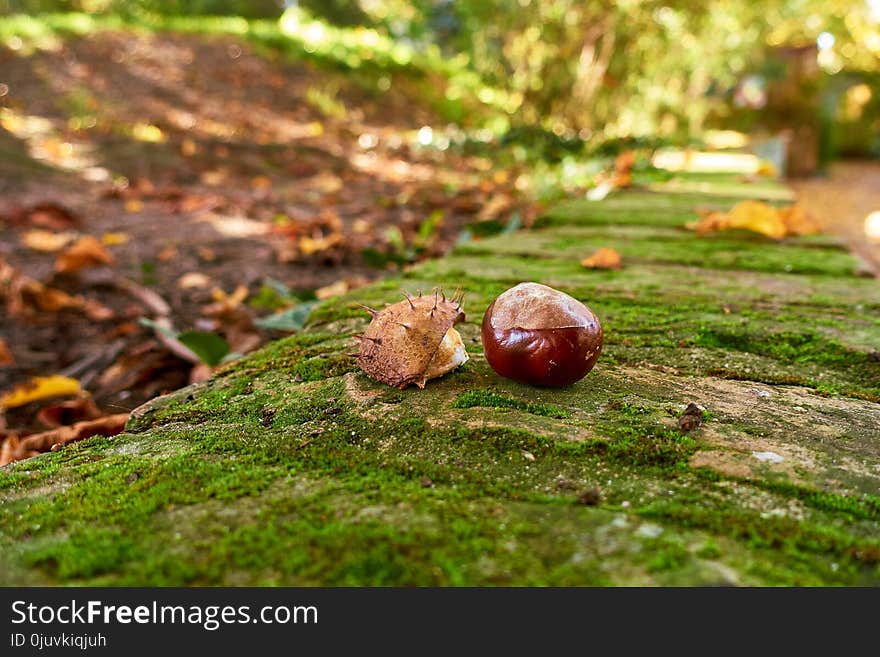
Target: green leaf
{"x":289,"y":320}
{"x":210,"y":347}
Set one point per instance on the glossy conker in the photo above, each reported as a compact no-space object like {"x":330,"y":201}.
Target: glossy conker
{"x":537,"y":335}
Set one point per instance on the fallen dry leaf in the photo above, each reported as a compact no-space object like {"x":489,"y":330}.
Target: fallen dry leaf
{"x":798,"y":221}
{"x":333,"y":290}
{"x":758,"y":217}
{"x":261,"y":182}
{"x":134,"y":205}
{"x":10,"y":450}
{"x":225,"y":304}
{"x":46,"y":240}
{"x":40,"y":387}
{"x":495,"y":206}
{"x":45,"y":215}
{"x":193,"y":279}
{"x":168,"y":253}
{"x":5,"y":355}
{"x":206,"y":254}
{"x":68,"y":412}
{"x":623,"y":165}
{"x":311,"y":245}
{"x":114,"y":238}
{"x":603,"y":258}
{"x":53,"y":439}
{"x":87,"y":251}
{"x":24,"y":295}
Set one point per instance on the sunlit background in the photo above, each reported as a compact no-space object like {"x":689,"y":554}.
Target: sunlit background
{"x":785,"y":84}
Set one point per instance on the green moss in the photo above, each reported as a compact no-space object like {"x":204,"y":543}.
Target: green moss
{"x":90,"y":552}
{"x":490,"y":399}
{"x":323,"y":367}
{"x":794,"y":538}
{"x":709,"y":550}
{"x":280,"y":471}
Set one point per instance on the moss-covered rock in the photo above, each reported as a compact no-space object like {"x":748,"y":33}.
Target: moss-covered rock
{"x":292,"y":467}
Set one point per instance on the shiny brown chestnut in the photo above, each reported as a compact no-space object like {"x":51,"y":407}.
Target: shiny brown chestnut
{"x":537,"y":335}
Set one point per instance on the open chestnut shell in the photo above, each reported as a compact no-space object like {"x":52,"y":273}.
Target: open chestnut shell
{"x":535,"y":334}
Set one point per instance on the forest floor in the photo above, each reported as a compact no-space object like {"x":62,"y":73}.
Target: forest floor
{"x":219,"y":185}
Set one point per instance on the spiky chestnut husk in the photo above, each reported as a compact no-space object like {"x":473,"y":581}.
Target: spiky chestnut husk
{"x":413,"y":341}
{"x":537,"y":335}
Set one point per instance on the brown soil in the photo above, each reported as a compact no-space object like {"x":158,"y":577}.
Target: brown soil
{"x":214,"y":160}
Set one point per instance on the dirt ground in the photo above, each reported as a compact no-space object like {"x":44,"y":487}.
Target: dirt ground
{"x":842,"y":200}
{"x":209,"y":176}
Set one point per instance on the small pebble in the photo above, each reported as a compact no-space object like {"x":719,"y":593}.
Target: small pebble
{"x":590,"y":497}
{"x":771,"y":457}
{"x":691,"y":418}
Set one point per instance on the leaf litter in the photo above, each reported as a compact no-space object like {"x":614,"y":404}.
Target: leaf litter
{"x":213,"y":229}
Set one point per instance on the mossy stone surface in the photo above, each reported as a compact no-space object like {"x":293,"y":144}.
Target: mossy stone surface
{"x":292,"y":467}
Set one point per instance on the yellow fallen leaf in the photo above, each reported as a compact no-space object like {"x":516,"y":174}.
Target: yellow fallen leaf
{"x":603,"y":258}
{"x":46,"y":240}
{"x":758,"y":217}
{"x":40,"y":387}
{"x":332,"y":290}
{"x":225,"y":304}
{"x":310,"y":245}
{"x":134,"y":205}
{"x":114,"y":239}
{"x":87,"y":251}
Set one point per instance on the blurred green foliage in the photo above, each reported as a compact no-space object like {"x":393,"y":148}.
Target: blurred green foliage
{"x":557,"y":73}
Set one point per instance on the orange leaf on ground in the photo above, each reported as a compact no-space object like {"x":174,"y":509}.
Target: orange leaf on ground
{"x":604,"y":258}
{"x":87,"y":251}
{"x":10,"y":449}
{"x":46,"y":215}
{"x":623,"y":165}
{"x":798,"y":221}
{"x":5,"y":355}
{"x":24,"y":296}
{"x":40,"y":387}
{"x":56,"y":438}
